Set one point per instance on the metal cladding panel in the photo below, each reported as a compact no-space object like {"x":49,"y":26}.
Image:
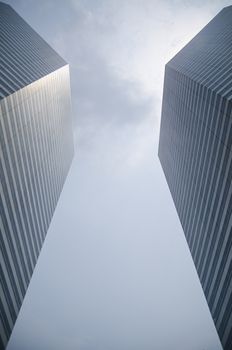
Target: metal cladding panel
{"x":24,"y":56}
{"x":36,"y":151}
{"x":195,"y":150}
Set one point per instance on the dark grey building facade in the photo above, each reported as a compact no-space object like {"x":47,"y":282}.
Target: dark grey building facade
{"x":196,"y":156}
{"x":36,"y":150}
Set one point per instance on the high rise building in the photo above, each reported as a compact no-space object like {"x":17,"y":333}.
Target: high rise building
{"x":196,"y":155}
{"x":36,"y":150}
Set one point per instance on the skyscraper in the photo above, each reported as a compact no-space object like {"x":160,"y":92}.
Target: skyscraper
{"x":196,"y":155}
{"x":36,"y":150}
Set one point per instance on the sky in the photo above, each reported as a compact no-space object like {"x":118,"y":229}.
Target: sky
{"x":115,"y":272}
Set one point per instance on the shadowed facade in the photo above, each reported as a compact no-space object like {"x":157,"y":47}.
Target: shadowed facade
{"x":196,"y":156}
{"x":36,"y":151}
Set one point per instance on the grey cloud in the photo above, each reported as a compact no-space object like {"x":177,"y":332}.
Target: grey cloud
{"x":103,"y":98}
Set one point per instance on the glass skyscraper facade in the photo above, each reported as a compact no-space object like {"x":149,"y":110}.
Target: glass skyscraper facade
{"x":36,"y":150}
{"x":196,"y":155}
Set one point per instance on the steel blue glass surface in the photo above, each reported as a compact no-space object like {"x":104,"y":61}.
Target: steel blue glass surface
{"x":36,"y":150}
{"x":24,"y":55}
{"x":195,"y":150}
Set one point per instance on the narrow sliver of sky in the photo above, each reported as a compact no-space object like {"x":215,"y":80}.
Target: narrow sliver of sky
{"x":115,"y":272}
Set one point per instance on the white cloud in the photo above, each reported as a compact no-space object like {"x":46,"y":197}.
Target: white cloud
{"x":137,"y":38}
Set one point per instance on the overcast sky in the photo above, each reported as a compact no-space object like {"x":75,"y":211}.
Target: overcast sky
{"x":115,"y":272}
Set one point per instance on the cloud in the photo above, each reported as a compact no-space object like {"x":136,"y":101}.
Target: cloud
{"x":136,"y":38}
{"x":105,"y":98}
